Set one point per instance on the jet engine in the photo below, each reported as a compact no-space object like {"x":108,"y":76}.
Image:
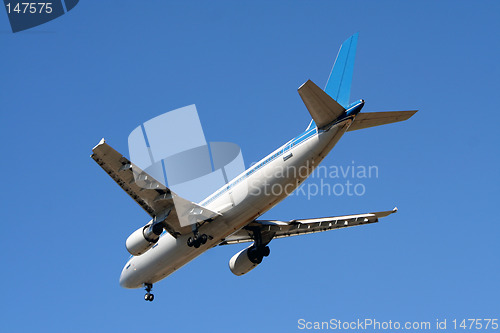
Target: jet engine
{"x":143,"y":239}
{"x":247,"y":259}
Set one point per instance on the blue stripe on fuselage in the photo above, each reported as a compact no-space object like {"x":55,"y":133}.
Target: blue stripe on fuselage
{"x":277,"y":153}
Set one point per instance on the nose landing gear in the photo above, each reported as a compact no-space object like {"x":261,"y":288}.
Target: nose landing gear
{"x":148,"y":297}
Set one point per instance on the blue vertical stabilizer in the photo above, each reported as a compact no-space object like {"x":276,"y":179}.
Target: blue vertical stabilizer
{"x":339,"y":82}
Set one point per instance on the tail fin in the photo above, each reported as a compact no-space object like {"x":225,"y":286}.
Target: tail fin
{"x":339,"y":82}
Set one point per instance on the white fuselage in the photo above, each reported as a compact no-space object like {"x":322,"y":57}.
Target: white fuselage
{"x":244,"y":199}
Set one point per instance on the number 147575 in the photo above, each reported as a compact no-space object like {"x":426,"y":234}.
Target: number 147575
{"x":29,"y":7}
{"x":476,"y":324}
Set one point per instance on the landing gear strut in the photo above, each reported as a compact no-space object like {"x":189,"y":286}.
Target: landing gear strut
{"x":197,"y":240}
{"x":259,"y":250}
{"x":148,"y":297}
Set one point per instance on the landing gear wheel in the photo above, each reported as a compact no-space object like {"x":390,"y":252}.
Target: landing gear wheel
{"x":148,"y":297}
{"x":254,"y":255}
{"x":197,"y":240}
{"x":266,"y":251}
{"x":203,"y":239}
{"x":259,"y":249}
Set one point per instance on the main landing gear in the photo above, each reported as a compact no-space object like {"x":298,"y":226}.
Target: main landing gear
{"x":257,"y":253}
{"x":259,"y":249}
{"x":148,"y":297}
{"x":197,"y":240}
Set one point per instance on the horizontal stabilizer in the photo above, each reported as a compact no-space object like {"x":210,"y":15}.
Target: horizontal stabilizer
{"x":321,"y":106}
{"x":371,"y":119}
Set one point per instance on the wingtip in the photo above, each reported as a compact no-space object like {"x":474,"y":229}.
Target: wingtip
{"x":303,"y":84}
{"x":103,"y":141}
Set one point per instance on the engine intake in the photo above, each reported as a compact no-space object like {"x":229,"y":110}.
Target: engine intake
{"x":141,"y":240}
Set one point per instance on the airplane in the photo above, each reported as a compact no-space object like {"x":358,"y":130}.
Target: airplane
{"x":165,"y":244}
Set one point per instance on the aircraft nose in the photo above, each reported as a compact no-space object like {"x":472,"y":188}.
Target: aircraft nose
{"x":126,"y":280}
{"x":123,"y":279}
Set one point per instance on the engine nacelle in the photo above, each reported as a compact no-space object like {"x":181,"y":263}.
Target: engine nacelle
{"x":142,"y":240}
{"x":241,"y":263}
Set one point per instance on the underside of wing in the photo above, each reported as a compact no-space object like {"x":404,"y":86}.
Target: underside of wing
{"x":163,"y":205}
{"x":271,"y":229}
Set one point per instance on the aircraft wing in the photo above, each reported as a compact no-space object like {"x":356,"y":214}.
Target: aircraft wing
{"x":154,"y":197}
{"x":271,"y":229}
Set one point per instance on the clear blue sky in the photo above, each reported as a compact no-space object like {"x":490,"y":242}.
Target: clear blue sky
{"x":106,"y":67}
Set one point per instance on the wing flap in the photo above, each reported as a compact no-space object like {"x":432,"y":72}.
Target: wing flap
{"x":372,"y":119}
